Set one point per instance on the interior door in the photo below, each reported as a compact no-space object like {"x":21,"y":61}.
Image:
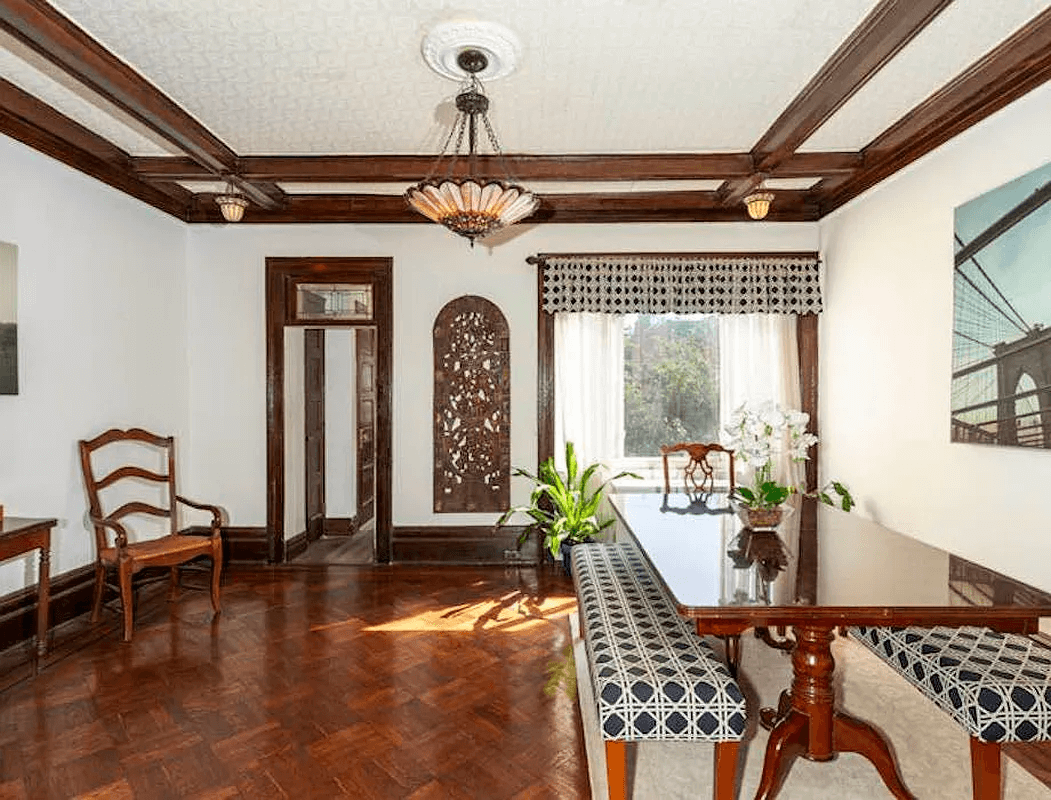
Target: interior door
{"x":365,"y":348}
{"x":314,"y":396}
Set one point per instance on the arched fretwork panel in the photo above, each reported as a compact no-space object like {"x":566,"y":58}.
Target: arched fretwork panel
{"x":472,"y":407}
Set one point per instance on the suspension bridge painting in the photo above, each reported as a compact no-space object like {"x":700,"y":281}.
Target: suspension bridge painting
{"x":1001,"y":359}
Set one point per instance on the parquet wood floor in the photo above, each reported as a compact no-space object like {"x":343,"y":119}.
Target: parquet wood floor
{"x":365,"y":682}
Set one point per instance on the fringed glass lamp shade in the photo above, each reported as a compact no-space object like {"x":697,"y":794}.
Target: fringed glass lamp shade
{"x":470,"y":206}
{"x":470,"y":210}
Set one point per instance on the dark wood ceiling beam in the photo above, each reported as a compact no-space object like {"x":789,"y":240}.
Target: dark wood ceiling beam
{"x":1017,"y":66}
{"x":575,"y":208}
{"x":41,"y":127}
{"x":880,"y":36}
{"x":42,"y":28}
{"x":400,"y":168}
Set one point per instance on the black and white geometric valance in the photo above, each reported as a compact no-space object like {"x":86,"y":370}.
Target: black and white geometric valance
{"x":681,"y":283}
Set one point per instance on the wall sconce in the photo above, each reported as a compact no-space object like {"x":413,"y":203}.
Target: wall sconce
{"x":232,"y":203}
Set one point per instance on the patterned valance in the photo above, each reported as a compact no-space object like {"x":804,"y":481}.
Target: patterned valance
{"x":681,"y":283}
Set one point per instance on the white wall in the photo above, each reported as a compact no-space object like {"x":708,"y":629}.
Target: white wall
{"x":227,"y":352}
{"x":101,"y":338}
{"x":886,"y":351}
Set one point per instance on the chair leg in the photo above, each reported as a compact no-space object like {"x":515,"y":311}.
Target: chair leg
{"x":217,"y":573}
{"x":173,"y":584}
{"x":100,"y":586}
{"x":985,"y":770}
{"x":127,"y":601}
{"x":726,"y":770}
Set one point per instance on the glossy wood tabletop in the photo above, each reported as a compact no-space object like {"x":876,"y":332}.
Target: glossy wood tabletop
{"x":850,"y":571}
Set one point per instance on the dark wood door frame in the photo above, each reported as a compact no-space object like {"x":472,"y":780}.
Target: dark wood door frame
{"x":282,"y":277}
{"x":314,"y":433}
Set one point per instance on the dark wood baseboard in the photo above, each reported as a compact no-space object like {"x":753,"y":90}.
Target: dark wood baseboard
{"x":340,"y":526}
{"x":463,"y":545}
{"x":296,"y":545}
{"x":70,"y":597}
{"x":245,"y":545}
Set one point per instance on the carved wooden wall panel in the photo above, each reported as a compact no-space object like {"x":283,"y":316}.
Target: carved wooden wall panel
{"x":472,"y":407}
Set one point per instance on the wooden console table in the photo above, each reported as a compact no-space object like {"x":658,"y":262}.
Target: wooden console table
{"x":20,"y":535}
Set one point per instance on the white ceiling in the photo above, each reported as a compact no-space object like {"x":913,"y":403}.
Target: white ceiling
{"x":343,"y":76}
{"x":327,"y":77}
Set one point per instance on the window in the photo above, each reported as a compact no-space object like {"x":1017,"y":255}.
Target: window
{"x":671,"y":381}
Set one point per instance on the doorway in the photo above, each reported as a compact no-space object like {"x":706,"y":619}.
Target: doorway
{"x":329,"y":328}
{"x":337,"y":448}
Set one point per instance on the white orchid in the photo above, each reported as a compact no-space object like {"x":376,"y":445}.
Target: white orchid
{"x":759,"y":433}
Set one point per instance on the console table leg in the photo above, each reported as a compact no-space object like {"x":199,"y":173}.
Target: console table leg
{"x":43,"y":602}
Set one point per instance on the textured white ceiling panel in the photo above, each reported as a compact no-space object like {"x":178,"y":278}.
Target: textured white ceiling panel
{"x":959,"y":36}
{"x":790,"y":184}
{"x":541,"y":187}
{"x":347,"y":76}
{"x":40,"y":78}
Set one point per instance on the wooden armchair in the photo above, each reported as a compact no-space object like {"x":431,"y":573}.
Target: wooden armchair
{"x":113,"y":547}
{"x":698,"y":453}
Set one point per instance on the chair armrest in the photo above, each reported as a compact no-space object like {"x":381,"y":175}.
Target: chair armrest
{"x":216,"y":512}
{"x":119,"y":531}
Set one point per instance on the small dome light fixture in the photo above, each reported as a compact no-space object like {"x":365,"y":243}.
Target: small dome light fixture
{"x":758,"y":203}
{"x":232,"y":203}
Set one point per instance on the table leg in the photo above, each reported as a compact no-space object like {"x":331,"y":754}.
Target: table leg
{"x":43,"y":600}
{"x":807,"y":724}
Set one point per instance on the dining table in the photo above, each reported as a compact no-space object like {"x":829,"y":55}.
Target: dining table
{"x":820,"y":571}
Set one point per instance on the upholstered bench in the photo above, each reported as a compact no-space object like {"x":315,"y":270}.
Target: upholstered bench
{"x":997,"y":686}
{"x":654,"y":678}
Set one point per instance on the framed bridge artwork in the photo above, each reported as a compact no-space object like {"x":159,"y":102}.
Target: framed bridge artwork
{"x":8,"y":319}
{"x":1001,"y":359}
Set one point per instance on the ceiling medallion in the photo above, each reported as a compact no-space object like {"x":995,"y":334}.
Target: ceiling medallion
{"x":456,"y":193}
{"x":443,"y":45}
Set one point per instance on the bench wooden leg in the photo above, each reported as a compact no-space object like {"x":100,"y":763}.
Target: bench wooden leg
{"x":725,"y":770}
{"x":985,"y":769}
{"x":617,"y":769}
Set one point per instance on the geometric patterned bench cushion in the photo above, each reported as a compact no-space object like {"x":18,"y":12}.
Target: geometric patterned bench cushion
{"x":654,"y":677}
{"x":996,"y":685}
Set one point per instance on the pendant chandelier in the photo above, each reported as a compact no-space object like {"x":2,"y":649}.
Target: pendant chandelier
{"x":471,"y":206}
{"x":232,"y":203}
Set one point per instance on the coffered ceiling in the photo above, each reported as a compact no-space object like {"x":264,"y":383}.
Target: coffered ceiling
{"x":617,"y":110}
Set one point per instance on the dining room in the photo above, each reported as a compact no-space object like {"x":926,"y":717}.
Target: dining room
{"x":897,"y":144}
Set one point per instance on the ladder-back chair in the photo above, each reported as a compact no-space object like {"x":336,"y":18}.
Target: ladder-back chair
{"x":114,"y":549}
{"x":698,"y":453}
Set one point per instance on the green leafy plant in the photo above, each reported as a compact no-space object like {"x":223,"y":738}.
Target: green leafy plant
{"x":562,"y":507}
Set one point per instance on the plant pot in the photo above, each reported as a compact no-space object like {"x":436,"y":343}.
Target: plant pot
{"x":762,"y":518}
{"x":566,"y":551}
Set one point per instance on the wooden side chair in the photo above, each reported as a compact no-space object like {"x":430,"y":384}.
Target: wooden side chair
{"x":113,"y":546}
{"x":698,"y":453}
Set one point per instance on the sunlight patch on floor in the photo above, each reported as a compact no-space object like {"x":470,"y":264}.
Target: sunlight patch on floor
{"x":514,"y":612}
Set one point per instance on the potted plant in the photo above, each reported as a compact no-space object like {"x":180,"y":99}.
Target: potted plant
{"x":562,"y":507}
{"x":757,"y":434}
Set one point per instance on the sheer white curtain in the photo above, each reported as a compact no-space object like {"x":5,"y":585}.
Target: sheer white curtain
{"x":758,"y":361}
{"x":589,"y":386}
